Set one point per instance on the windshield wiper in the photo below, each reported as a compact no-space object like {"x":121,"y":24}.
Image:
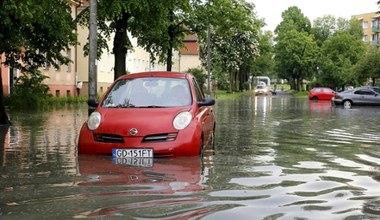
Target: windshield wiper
{"x":151,"y":106}
{"x":121,"y":106}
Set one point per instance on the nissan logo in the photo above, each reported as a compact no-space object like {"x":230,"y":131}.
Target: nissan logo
{"x":133,"y":131}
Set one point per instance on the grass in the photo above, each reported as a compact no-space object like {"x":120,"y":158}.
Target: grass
{"x":221,"y":94}
{"x":67,"y":100}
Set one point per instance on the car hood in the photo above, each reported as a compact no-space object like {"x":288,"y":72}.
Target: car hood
{"x":145,"y":120}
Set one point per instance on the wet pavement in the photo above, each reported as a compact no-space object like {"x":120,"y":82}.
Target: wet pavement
{"x":276,"y":157}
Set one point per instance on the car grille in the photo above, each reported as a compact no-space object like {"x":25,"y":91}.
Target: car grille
{"x":160,"y":137}
{"x":108,"y":138}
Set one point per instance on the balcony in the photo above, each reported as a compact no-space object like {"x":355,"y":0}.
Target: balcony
{"x":375,"y":29}
{"x":374,"y":42}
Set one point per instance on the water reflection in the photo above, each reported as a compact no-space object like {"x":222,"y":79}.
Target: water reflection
{"x":180,"y":177}
{"x":276,"y":158}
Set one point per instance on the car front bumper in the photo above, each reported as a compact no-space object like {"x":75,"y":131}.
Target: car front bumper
{"x":186,"y":143}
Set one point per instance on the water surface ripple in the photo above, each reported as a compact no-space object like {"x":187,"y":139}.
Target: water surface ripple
{"x":275,"y":158}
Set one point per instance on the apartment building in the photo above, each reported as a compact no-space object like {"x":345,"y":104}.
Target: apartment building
{"x":370,"y":24}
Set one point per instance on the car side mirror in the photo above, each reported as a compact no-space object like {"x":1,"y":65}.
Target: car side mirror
{"x":208,"y":101}
{"x":93,"y":103}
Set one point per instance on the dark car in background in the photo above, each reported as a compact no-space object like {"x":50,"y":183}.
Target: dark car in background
{"x":321,"y":93}
{"x":365,"y":95}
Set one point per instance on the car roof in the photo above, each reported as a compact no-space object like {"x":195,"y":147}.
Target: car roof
{"x":321,"y":88}
{"x":155,"y":74}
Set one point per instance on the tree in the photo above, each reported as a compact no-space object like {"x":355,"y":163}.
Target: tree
{"x":158,"y":26}
{"x":263,"y":65}
{"x":323,"y":28}
{"x":296,"y":57}
{"x":293,"y":19}
{"x":34,"y":33}
{"x":368,"y":66}
{"x":340,"y":53}
{"x":174,"y":30}
{"x":341,"y":49}
{"x":233,"y":39}
{"x":296,"y":51}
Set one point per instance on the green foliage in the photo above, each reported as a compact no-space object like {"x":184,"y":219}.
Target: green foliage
{"x":35,"y":32}
{"x":159,"y":27}
{"x":324,"y":54}
{"x":323,"y":28}
{"x":296,"y":51}
{"x":368,"y":66}
{"x":30,"y":91}
{"x":293,"y":19}
{"x":263,"y":65}
{"x":199,"y":74}
{"x":340,"y":52}
{"x":231,"y":41}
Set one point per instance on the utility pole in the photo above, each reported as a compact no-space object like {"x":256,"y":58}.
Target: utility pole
{"x":208,"y":60}
{"x":92,"y":68}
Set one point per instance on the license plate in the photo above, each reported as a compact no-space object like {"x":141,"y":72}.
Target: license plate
{"x":134,"y":161}
{"x":132,"y":153}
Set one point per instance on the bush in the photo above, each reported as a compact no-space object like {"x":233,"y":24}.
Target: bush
{"x":29,"y":90}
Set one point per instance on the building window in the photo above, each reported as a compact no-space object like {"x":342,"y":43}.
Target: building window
{"x":68,"y":94}
{"x":365,"y":24}
{"x":375,"y":23}
{"x":57,"y":93}
{"x":365,"y":38}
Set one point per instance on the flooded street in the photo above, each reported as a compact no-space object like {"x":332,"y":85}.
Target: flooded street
{"x":275,"y":158}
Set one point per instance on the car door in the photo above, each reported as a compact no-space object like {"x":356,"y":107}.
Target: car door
{"x":358,"y":96}
{"x":371,"y":98}
{"x":364,"y":96}
{"x":328,"y":93}
{"x":205,"y":112}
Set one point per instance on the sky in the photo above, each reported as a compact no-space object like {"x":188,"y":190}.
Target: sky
{"x":271,"y":10}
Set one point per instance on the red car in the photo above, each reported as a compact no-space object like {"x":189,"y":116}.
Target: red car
{"x":150,"y":114}
{"x":321,"y":93}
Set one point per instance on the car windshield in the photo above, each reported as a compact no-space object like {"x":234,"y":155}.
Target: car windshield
{"x":149,"y":92}
{"x":376,"y":89}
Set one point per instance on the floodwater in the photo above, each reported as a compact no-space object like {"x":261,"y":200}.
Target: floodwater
{"x":275,"y":158}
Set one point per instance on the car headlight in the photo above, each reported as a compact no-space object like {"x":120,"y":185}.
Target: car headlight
{"x":94,"y":120}
{"x":182,"y":120}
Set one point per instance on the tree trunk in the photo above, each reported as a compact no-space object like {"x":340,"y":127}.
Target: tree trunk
{"x":120,"y":46}
{"x":169,"y":59}
{"x":3,"y":114}
{"x":231,"y":89}
{"x":171,"y":33}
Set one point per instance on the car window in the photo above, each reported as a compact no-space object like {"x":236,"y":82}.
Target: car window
{"x":148,"y":92}
{"x":376,"y":89}
{"x":198,"y":90}
{"x":364,"y":92}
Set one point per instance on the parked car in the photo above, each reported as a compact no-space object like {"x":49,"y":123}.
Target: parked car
{"x":321,"y":93}
{"x":262,"y":90}
{"x":150,"y":114}
{"x":366,"y":95}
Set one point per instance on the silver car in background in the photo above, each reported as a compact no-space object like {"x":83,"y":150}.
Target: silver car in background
{"x":365,"y":95}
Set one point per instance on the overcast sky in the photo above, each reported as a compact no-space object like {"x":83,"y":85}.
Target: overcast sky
{"x":271,"y":10}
